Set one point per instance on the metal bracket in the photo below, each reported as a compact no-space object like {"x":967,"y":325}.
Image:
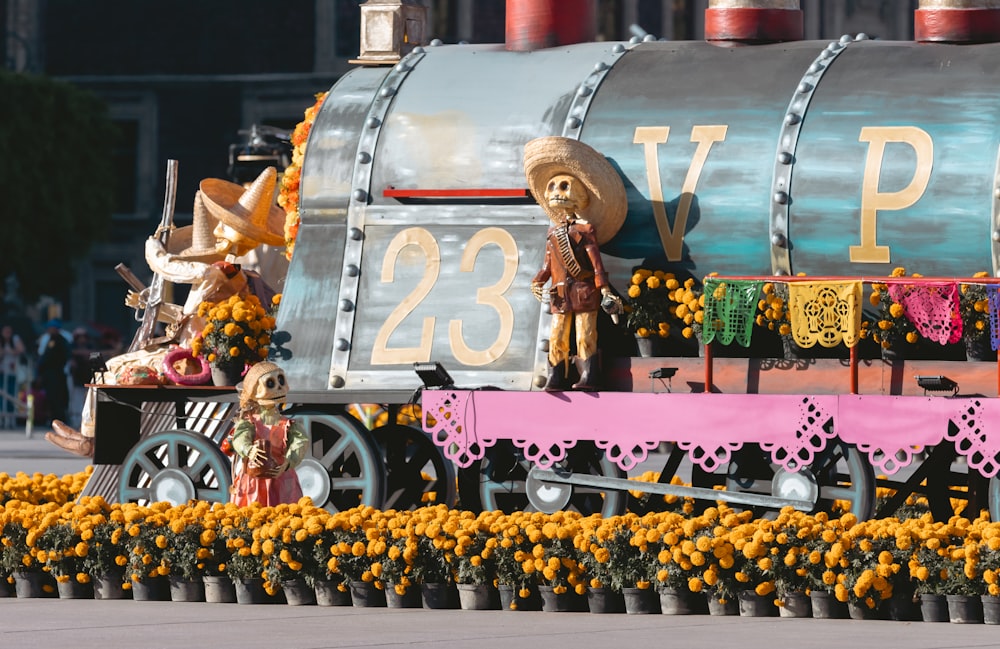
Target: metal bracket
{"x":699,"y":493}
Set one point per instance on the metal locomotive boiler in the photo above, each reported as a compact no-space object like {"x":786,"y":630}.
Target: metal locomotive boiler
{"x":843,"y":158}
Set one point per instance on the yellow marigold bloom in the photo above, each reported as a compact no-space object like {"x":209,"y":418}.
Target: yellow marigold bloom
{"x":634,"y":291}
{"x":896,"y":310}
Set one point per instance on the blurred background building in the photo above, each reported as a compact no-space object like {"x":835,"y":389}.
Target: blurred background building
{"x":183,"y":78}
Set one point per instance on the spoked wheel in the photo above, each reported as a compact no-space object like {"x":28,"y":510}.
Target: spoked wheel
{"x":415,"y":466}
{"x":345,"y":467}
{"x":839,"y":473}
{"x":175,"y":466}
{"x":503,"y":481}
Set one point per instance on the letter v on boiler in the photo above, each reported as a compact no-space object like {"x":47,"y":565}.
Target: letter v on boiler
{"x":672,"y":238}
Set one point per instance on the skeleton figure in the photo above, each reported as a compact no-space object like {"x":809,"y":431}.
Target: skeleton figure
{"x":268,"y":445}
{"x":574,"y":182}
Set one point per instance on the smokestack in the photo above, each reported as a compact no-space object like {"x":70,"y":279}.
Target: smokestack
{"x":536,"y":24}
{"x":753,"y":21}
{"x":957,"y":21}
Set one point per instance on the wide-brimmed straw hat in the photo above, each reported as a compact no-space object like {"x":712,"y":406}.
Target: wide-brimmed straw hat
{"x":196,"y":242}
{"x":550,"y":156}
{"x":252,"y":211}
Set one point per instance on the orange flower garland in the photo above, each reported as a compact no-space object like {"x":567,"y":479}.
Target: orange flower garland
{"x":288,"y":193}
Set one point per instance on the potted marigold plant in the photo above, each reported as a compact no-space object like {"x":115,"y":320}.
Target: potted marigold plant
{"x":689,"y":308}
{"x":892,"y":330}
{"x":475,"y":561}
{"x":185,"y":556}
{"x":554,"y":562}
{"x":287,"y":544}
{"x":146,"y":542}
{"x":871,"y":571}
{"x":974,"y":308}
{"x":107,"y":556}
{"x":647,"y":308}
{"x":789,"y":567}
{"x":516,"y":580}
{"x":23,"y":523}
{"x":63,"y":549}
{"x":716,"y":569}
{"x":236,"y":335}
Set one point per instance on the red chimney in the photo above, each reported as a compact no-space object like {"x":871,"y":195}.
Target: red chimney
{"x":957,"y":21}
{"x":753,"y":21}
{"x":536,"y":24}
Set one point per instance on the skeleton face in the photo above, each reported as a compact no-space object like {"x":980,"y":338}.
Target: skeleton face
{"x":272,"y":388}
{"x":229,"y":241}
{"x":567,"y":194}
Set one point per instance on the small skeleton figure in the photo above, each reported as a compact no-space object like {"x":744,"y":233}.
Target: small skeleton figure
{"x":268,"y":445}
{"x":586,"y":202}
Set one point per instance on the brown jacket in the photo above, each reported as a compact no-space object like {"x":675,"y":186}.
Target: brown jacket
{"x":574,"y":294}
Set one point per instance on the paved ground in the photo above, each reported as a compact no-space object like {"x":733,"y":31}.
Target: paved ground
{"x":30,"y":454}
{"x":86,"y":624}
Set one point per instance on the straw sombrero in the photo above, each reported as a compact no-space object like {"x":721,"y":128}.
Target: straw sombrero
{"x":196,"y":242}
{"x":252,"y":211}
{"x":545,"y":157}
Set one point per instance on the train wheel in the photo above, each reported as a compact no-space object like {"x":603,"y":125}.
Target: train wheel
{"x":415,"y":468}
{"x":503,"y":481}
{"x":839,"y":473}
{"x":175,"y":466}
{"x":345,"y":467}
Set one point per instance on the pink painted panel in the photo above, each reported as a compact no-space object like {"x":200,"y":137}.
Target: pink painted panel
{"x":791,"y":428}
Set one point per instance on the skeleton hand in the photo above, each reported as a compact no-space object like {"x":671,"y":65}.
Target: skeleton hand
{"x":137,"y":300}
{"x":537,"y":289}
{"x":256,"y":456}
{"x":281,"y":468}
{"x":612,"y":304}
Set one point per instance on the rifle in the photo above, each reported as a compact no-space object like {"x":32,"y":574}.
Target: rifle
{"x":155,"y":297}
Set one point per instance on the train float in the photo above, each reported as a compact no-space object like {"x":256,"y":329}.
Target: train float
{"x":750,"y":156}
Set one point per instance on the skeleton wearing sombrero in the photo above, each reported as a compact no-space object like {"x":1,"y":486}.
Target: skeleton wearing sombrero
{"x":586,"y":202}
{"x":228,"y":221}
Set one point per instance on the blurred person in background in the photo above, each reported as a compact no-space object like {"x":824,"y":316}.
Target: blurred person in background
{"x":11,"y":350}
{"x":53,"y":363}
{"x":80,"y":372}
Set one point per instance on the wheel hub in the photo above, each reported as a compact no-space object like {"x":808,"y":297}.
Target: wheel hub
{"x":798,"y":485}
{"x":547,"y":497}
{"x":314,"y":480}
{"x":173,"y":486}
